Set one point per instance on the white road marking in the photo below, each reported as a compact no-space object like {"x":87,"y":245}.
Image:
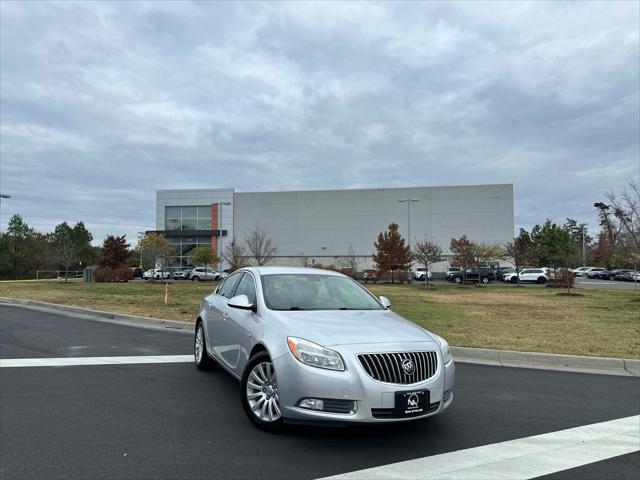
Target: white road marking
{"x":71,"y":361}
{"x":523,"y":458}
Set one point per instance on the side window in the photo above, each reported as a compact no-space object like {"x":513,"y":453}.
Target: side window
{"x":247,"y":287}
{"x":227,"y":287}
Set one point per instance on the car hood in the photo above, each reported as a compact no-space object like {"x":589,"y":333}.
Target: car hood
{"x":344,"y":327}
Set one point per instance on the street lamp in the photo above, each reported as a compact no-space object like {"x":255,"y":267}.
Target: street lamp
{"x":219,"y":252}
{"x":408,"y":201}
{"x":584,"y":261}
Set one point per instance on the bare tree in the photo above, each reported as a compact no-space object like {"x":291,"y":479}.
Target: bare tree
{"x":234,"y":254}
{"x":427,"y":253}
{"x":260,"y":245}
{"x":350,"y":261}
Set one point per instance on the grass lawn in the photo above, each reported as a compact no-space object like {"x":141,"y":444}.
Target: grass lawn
{"x":601,"y":323}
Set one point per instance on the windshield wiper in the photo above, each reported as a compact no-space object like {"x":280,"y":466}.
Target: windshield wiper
{"x":295,"y":308}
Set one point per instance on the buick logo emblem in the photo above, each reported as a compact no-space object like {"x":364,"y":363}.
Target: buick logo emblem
{"x":408,"y":366}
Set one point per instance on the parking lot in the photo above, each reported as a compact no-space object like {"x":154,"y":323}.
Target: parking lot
{"x":169,"y":420}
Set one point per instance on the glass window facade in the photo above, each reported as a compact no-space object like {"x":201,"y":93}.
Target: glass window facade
{"x":196,"y":217}
{"x":187,"y":218}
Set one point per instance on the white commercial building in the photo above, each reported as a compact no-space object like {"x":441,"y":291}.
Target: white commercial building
{"x":320,"y":226}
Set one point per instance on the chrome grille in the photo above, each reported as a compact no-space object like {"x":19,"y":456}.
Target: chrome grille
{"x":388,"y":367}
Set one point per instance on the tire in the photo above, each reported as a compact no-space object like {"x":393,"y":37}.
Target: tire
{"x":484,"y":280}
{"x":195,"y":279}
{"x":541,"y":281}
{"x":200,"y":355}
{"x":259,"y":393}
{"x":457,"y":280}
{"x":513,"y":280}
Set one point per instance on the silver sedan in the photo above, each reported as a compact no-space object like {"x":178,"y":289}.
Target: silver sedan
{"x":312,"y":345}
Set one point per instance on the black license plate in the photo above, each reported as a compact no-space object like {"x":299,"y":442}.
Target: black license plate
{"x":409,"y":404}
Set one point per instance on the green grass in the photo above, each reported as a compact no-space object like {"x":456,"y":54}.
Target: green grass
{"x":600,"y":323}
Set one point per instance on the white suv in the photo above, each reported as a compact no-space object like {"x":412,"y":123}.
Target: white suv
{"x":418,"y":273}
{"x":204,"y":273}
{"x":537,"y":275}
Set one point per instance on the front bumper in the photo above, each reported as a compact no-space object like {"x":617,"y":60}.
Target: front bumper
{"x":374,"y":400}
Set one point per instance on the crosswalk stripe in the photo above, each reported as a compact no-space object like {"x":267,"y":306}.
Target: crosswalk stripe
{"x":75,"y":361}
{"x":523,"y":458}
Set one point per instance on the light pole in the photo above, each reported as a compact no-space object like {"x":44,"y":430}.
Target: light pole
{"x":219,"y":253}
{"x":584,"y":257}
{"x":408,"y":201}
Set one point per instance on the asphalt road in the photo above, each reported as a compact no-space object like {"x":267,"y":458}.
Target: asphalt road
{"x":173,"y":421}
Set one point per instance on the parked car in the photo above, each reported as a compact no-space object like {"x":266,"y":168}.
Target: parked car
{"x":161,"y":274}
{"x":580,"y":271}
{"x":204,"y":273}
{"x":619,"y":273}
{"x":535,"y":275}
{"x":182,"y":274}
{"x":309,"y":345}
{"x":370,"y":275}
{"x":601,"y":273}
{"x":419,"y":273}
{"x":451,"y":272}
{"x":471,"y":275}
{"x":148,"y":274}
{"x":502,"y":271}
{"x":136,"y":272}
{"x":628,"y":276}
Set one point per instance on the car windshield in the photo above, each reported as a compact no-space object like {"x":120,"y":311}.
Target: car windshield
{"x":316,"y":292}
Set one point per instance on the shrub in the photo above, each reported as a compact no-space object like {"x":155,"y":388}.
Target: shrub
{"x":122,"y":274}
{"x":560,"y":277}
{"x":103,"y":274}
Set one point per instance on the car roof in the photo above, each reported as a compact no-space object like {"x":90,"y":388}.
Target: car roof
{"x":291,"y":271}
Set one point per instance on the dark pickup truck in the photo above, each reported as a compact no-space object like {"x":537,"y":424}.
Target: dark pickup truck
{"x":472,"y":275}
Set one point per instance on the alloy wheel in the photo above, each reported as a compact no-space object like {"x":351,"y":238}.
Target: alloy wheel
{"x":198,"y":347}
{"x":262,"y":393}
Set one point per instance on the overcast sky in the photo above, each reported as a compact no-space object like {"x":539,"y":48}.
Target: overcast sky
{"x":104,"y":103}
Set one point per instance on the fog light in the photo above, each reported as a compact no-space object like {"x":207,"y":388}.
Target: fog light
{"x":311,"y":403}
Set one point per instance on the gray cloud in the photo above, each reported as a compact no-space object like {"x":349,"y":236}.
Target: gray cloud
{"x":103,"y":103}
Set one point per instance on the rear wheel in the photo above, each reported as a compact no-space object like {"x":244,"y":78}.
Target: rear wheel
{"x":485,"y":280}
{"x":200,"y":355}
{"x":457,"y":279}
{"x":259,"y":393}
{"x":541,"y":281}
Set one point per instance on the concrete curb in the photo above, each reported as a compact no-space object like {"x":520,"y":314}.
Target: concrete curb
{"x":101,"y":316}
{"x":481,"y":356}
{"x":548,"y":361}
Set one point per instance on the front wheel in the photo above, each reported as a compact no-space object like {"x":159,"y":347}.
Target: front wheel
{"x":485,"y":280}
{"x":259,"y":393}
{"x":457,"y":279}
{"x":200,"y":355}
{"x":195,"y":279}
{"x":513,"y":280}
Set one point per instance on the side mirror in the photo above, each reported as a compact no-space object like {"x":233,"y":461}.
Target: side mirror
{"x":241,"y":302}
{"x":386,"y":303}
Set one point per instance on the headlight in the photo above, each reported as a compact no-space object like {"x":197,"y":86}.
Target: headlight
{"x":445,"y":350}
{"x":315,"y":355}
